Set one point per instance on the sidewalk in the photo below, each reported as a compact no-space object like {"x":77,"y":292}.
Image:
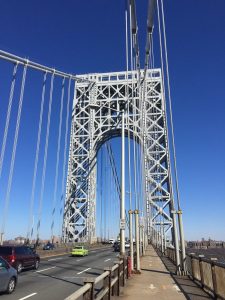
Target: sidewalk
{"x":155,"y":282}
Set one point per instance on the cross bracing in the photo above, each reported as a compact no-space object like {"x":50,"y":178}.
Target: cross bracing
{"x":96,"y":118}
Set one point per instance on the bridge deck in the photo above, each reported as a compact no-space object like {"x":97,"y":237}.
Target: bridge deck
{"x":158,"y":282}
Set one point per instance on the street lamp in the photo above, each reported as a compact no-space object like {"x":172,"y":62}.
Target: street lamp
{"x":122,"y":201}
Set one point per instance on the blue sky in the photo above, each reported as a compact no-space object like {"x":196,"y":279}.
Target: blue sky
{"x":88,"y":36}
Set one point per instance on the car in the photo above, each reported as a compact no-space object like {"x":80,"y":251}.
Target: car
{"x":127,"y":245}
{"x":20,"y":257}
{"x":49,"y":246}
{"x":8,"y":277}
{"x":79,"y":251}
{"x":117,"y":247}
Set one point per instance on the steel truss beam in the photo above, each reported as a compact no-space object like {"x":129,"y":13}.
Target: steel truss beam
{"x":96,"y":119}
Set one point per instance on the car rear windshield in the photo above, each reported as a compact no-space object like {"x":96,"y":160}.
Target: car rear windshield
{"x":5,"y":250}
{"x":78,"y":247}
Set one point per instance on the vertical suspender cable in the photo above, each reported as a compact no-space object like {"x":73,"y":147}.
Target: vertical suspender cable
{"x":182,"y":242}
{"x":129,"y":138}
{"x":57,"y":160}
{"x":134,"y":103}
{"x":127,"y":96}
{"x":174,"y":229}
{"x":131,"y":51}
{"x":101,"y":223}
{"x":30,"y":227}
{"x":170,"y":108}
{"x":137,"y":68}
{"x":150,"y":26}
{"x":110,"y":203}
{"x":8,"y":117}
{"x":148,"y":53}
{"x":113,"y":167}
{"x":65,"y":148}
{"x":105,"y":192}
{"x":163,"y":92}
{"x":45,"y":157}
{"x":8,"y":192}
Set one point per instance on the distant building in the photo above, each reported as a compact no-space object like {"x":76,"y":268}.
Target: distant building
{"x":203,"y":244}
{"x":20,"y":240}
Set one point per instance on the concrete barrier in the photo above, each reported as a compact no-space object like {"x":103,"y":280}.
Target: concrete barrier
{"x":210,"y":274}
{"x":64,"y":249}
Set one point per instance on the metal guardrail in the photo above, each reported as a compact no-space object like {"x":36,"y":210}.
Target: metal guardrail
{"x":104,"y":286}
{"x":209,"y":273}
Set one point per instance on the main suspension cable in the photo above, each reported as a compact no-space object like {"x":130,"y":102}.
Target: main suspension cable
{"x":23,"y":61}
{"x":8,"y":117}
{"x":65,"y":148}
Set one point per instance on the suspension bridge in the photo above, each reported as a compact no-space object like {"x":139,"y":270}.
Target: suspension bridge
{"x":89,"y":158}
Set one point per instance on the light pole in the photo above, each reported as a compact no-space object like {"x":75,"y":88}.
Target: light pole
{"x":1,"y":238}
{"x":136,"y":213}
{"x":122,"y":201}
{"x":131,"y":238}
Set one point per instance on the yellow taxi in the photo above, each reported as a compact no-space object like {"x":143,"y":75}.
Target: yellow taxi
{"x":79,"y":251}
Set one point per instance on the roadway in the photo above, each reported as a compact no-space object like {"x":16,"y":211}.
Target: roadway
{"x":59,"y":276}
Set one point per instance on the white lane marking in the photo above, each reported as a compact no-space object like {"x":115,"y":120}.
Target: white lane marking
{"x":107,"y":259}
{"x":83,"y":271}
{"x":152,"y":287}
{"x":93,"y":251}
{"x":78,"y":259}
{"x":28,"y":296}
{"x":176,"y":288}
{"x":45,"y":269}
{"x":72,"y":277}
{"x":55,"y":258}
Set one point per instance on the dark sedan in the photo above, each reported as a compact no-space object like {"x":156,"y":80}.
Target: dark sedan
{"x":116,"y":247}
{"x":49,"y":246}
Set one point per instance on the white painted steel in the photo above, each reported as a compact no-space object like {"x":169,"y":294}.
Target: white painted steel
{"x":91,"y":127}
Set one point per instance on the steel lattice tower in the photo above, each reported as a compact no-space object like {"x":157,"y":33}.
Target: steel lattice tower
{"x":146,"y":119}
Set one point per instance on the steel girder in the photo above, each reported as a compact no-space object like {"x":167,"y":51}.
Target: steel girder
{"x":95,"y":119}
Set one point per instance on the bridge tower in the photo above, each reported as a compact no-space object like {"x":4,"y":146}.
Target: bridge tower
{"x":95,"y":120}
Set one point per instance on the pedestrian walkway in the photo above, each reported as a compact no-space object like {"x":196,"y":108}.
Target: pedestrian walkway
{"x":157,"y":283}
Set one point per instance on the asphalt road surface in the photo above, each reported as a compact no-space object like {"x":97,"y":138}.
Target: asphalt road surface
{"x":60,"y":276}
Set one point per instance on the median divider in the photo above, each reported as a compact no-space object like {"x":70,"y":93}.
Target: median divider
{"x":106,"y":285}
{"x":66,"y":250}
